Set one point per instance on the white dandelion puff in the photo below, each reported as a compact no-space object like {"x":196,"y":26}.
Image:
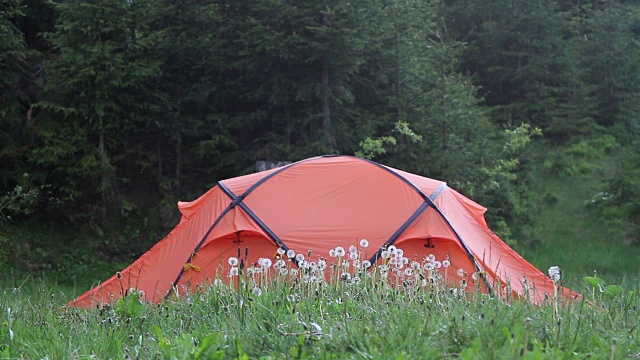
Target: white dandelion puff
{"x":366,"y":264}
{"x":408,"y":271}
{"x":233,"y":261}
{"x":364,"y":243}
{"x":555,"y":273}
{"x":340,"y":251}
{"x":233,"y":271}
{"x":446,"y":263}
{"x":431,"y":258}
{"x":385,"y":254}
{"x":299,"y":257}
{"x":281,"y":251}
{"x":460,"y":272}
{"x":265,"y":262}
{"x":392,"y":249}
{"x":353,"y":249}
{"x":353,"y":256}
{"x":333,"y":253}
{"x":437,"y":264}
{"x":291,"y":254}
{"x":256,"y":291}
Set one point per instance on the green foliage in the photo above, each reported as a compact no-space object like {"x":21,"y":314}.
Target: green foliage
{"x":378,"y":323}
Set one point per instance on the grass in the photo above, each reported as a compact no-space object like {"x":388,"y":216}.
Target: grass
{"x":273,"y":317}
{"x":573,"y":236}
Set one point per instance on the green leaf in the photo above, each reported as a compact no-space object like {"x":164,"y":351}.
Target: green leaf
{"x":613,"y":290}
{"x":595,"y":282}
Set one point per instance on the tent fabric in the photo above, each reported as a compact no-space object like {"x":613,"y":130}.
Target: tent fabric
{"x":313,"y":206}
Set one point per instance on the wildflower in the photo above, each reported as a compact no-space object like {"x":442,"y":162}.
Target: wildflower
{"x":333,"y":253}
{"x":385,"y":254}
{"x":437,"y":264}
{"x":393,"y":261}
{"x":293,"y":272}
{"x":364,"y":243}
{"x":355,"y":280}
{"x":291,"y":254}
{"x":474,"y":276}
{"x":280,"y":263}
{"x":429,"y":266}
{"x":415,"y":265}
{"x":264,"y":262}
{"x":340,"y":251}
{"x":460,"y":272}
{"x":392,"y":249}
{"x":353,"y":249}
{"x":366,"y":264}
{"x":431,"y":258}
{"x":345,"y":276}
{"x":256,"y":291}
{"x":251,"y":270}
{"x":345,"y":264}
{"x":281,"y":251}
{"x":299,"y":257}
{"x":233,"y":261}
{"x":446,"y":263}
{"x":284,"y":271}
{"x":291,"y":297}
{"x":408,"y":271}
{"x":399,"y":265}
{"x":384,"y":269}
{"x":322,"y":264}
{"x":233,"y":271}
{"x":399,"y":253}
{"x":555,"y":273}
{"x":463,"y":283}
{"x":303,"y":264}
{"x":353,"y":256}
{"x":404,"y":260}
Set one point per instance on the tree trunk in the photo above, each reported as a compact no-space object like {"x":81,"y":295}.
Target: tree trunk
{"x":326,"y":108}
{"x":178,"y":162}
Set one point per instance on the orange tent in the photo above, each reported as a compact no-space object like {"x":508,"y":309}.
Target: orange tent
{"x":323,"y":203}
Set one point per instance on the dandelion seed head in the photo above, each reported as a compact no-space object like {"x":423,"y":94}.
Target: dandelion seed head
{"x":408,"y":271}
{"x":437,"y":264}
{"x":266,"y":262}
{"x":299,"y":257}
{"x":385,"y":254}
{"x":353,"y":249}
{"x":340,"y":251}
{"x":281,"y":251}
{"x":364,"y":243}
{"x":460,"y":272}
{"x":555,"y":273}
{"x":431,"y":258}
{"x":353,"y":256}
{"x":291,"y":254}
{"x":474,"y":276}
{"x":333,"y":253}
{"x":293,"y":272}
{"x":256,"y":291}
{"x":233,"y":261}
{"x":399,"y":253}
{"x":233,"y":271}
{"x":322,"y":264}
{"x":392,"y":249}
{"x":366,"y":264}
{"x":446,"y":263}
{"x":284,"y":271}
{"x":345,"y":276}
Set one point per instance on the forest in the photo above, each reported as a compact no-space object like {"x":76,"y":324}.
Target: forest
{"x":111,"y":111}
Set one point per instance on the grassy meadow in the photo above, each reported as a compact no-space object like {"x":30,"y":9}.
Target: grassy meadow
{"x":353,"y":316}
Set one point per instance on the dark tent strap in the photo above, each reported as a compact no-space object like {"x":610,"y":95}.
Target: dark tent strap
{"x":238,"y":200}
